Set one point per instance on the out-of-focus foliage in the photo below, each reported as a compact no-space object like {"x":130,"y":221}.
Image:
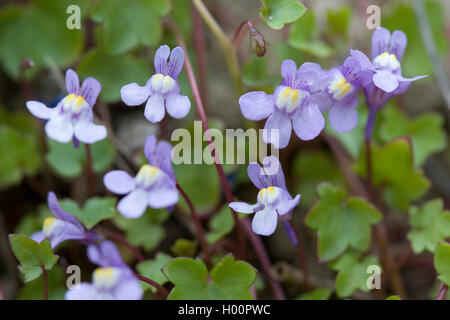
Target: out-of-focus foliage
{"x":184,"y":248}
{"x":220,"y":225}
{"x":316,"y":294}
{"x":152,"y":269}
{"x":442,"y":262}
{"x":276,"y":13}
{"x":56,"y":286}
{"x":229,"y":279}
{"x":94,"y":210}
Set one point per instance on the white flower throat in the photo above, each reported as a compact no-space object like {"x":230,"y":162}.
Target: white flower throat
{"x":267,"y":196}
{"x":49,"y":225}
{"x":74,"y":104}
{"x":340,"y":87}
{"x":162,"y":84}
{"x":290,"y":99}
{"x":105,"y":278}
{"x":387,"y":61}
{"x":148,"y":175}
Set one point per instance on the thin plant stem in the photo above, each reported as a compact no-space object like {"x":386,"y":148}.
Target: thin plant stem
{"x":240,"y":223}
{"x":161,"y":290}
{"x":297,"y":242}
{"x":442,"y":292}
{"x":90,"y":176}
{"x":241,"y":31}
{"x":45,"y":278}
{"x":112,"y":235}
{"x":196,"y":219}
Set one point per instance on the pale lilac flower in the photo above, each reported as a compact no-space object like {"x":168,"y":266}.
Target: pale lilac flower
{"x":161,"y":90}
{"x":113,"y":280}
{"x":273,"y":198}
{"x":387,"y":80}
{"x":73,"y":116}
{"x":153,"y":186}
{"x":341,"y":85}
{"x":293,"y":105}
{"x":63,"y":226}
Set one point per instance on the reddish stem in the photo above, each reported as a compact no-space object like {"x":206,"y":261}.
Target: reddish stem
{"x":302,"y":260}
{"x":162,"y":291}
{"x":112,"y":235}
{"x":45,"y":278}
{"x":442,"y":292}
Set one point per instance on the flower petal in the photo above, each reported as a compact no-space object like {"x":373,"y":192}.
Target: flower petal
{"x":362,"y":59}
{"x":385,"y":80}
{"x":59,"y":212}
{"x":88,"y":132}
{"x":40,"y":110}
{"x":265,"y":221}
{"x":257,"y":176}
{"x":343,"y":115}
{"x":177,"y":105}
{"x":398,"y":44}
{"x":90,"y":89}
{"x":162,"y":198}
{"x":256,"y":105}
{"x":308,"y":121}
{"x":72,"y":82}
{"x":105,"y":254}
{"x":274,"y":171}
{"x":288,"y":71}
{"x":118,"y":182}
{"x":160,"y":59}
{"x":84,"y":291}
{"x":133,"y":94}
{"x":278,"y":130}
{"x":128,"y":289}
{"x":154,"y":109}
{"x":60,"y":128}
{"x":133,"y":205}
{"x":286,"y":206}
{"x":380,"y":41}
{"x":176,"y":61}
{"x":243,"y":207}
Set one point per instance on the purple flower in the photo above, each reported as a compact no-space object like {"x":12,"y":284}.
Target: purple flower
{"x":273,"y":197}
{"x":63,"y":226}
{"x":113,"y":280}
{"x":153,"y":186}
{"x":73,"y":116}
{"x":387,"y":80}
{"x":162,"y":89}
{"x":341,"y":85}
{"x":292,"y":105}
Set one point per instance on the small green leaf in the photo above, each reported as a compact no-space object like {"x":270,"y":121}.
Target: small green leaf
{"x":95,"y":210}
{"x":220,"y":225}
{"x":146,"y":231}
{"x":305,"y":36}
{"x":113,"y":71}
{"x":152,"y":270}
{"x":229,"y":280}
{"x":426,"y":132}
{"x":69,"y":162}
{"x":276,"y":13}
{"x":32,"y":256}
{"x":442,"y":262}
{"x":401,"y":183}
{"x":341,"y":222}
{"x":352,"y":273}
{"x":393,"y":298}
{"x":184,"y":248}
{"x":56,"y":286}
{"x":316,"y":294}
{"x":338,"y":21}
{"x":129,"y":23}
{"x":430,"y":225}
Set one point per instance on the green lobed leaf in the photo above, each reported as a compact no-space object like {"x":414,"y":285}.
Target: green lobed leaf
{"x":401,"y":183}
{"x":33,"y":256}
{"x":316,"y":294}
{"x":430,"y":225}
{"x":220,"y":225}
{"x":69,"y":162}
{"x":341,"y":222}
{"x":37,"y":30}
{"x":442,"y":262}
{"x":426,"y":132}
{"x":338,"y":21}
{"x":229,"y":279}
{"x":129,"y":23}
{"x":56,"y":286}
{"x":184,"y":248}
{"x":276,"y":13}
{"x":352,"y":273}
{"x":113,"y":72}
{"x":152,"y":270}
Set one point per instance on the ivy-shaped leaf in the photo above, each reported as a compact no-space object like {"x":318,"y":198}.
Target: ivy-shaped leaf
{"x":341,"y":222}
{"x":229,"y":280}
{"x":69,"y":162}
{"x":393,"y":170}
{"x":316,"y":294}
{"x":430,"y":225}
{"x":276,"y":13}
{"x":37,"y":30}
{"x":152,"y":270}
{"x":442,"y":262}
{"x":352,"y":273}
{"x":33,"y":256}
{"x":147,"y":231}
{"x":426,"y":132}
{"x":220,"y":225}
{"x":19,"y":147}
{"x":129,"y":23}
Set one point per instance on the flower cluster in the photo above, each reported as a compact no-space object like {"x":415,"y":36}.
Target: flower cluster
{"x":307,"y":92}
